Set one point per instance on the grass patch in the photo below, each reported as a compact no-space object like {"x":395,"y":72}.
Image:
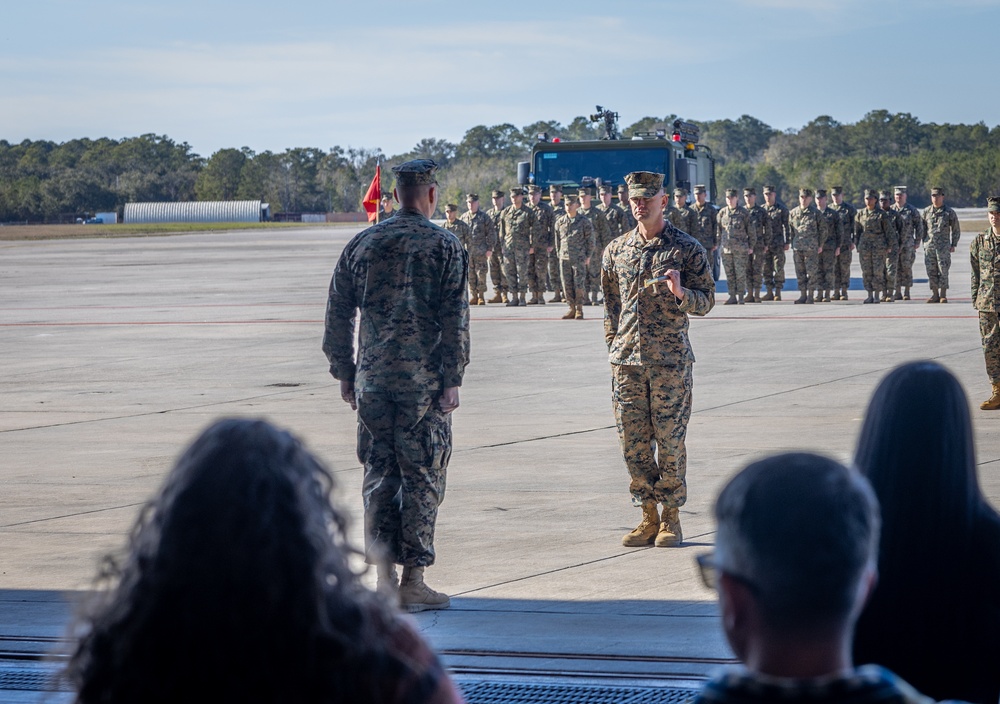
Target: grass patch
{"x":10,"y":233}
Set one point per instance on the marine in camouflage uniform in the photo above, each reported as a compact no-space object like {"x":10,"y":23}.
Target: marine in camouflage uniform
{"x":519,"y":232}
{"x":705,"y":228}
{"x":941,"y":233}
{"x":500,"y":289}
{"x":679,"y":214}
{"x":985,"y":254}
{"x":646,"y":330}
{"x":626,"y":208}
{"x":912,"y":234}
{"x":776,"y":242}
{"x":386,"y":206}
{"x":804,"y":223}
{"x":738,"y":236}
{"x":614,"y":214}
{"x":558,"y":210}
{"x":405,"y":279}
{"x":873,"y":234}
{"x":755,"y":264}
{"x":538,"y":257}
{"x":831,"y":235}
{"x":842,"y":271}
{"x":602,"y":230}
{"x":463,"y":232}
{"x":895,"y":244}
{"x":576,"y":244}
{"x":482,"y":243}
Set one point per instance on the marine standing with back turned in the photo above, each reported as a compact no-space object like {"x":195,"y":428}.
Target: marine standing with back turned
{"x":653,"y":277}
{"x":404,"y":280}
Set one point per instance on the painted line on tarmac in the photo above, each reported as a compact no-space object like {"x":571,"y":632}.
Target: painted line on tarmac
{"x":140,"y":323}
{"x":72,"y":515}
{"x":556,"y":570}
{"x":187,"y":305}
{"x":171,"y":410}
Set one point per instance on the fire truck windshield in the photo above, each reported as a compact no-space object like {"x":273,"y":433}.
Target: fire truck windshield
{"x":603,"y":162}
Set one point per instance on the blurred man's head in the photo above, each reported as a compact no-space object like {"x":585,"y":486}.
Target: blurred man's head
{"x":796,"y":551}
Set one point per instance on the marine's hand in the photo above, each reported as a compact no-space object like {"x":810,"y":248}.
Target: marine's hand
{"x":449,"y":399}
{"x":347,"y":393}
{"x":786,"y":247}
{"x":674,"y":283}
{"x":489,"y":253}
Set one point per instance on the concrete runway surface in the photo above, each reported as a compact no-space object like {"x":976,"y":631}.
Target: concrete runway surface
{"x":116,"y":353}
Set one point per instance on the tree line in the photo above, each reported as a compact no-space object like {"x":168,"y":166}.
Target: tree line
{"x":44,"y":181}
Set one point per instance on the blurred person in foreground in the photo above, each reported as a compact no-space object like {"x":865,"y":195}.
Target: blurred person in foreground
{"x":236,"y":586}
{"x":935,"y":615}
{"x":795,"y":559}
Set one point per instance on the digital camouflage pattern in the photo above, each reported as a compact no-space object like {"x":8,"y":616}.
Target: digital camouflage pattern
{"x":652,"y":405}
{"x":408,"y":278}
{"x":679,"y":217}
{"x":738,"y":236}
{"x":911,"y":225}
{"x":602,"y":231}
{"x":755,"y":265}
{"x":873,"y":235}
{"x":405,"y":280}
{"x":555,"y":282}
{"x":646,"y":330}
{"x":985,"y":255}
{"x":496,"y":261}
{"x":804,"y":224}
{"x":941,"y":233}
{"x":519,"y":231}
{"x":831,"y":235}
{"x":842,"y":270}
{"x":895,"y":243}
{"x":704,"y":226}
{"x":576,"y":242}
{"x":779,"y":234}
{"x":404,"y":442}
{"x":482,"y":239}
{"x":628,"y":220}
{"x":615,"y":218}
{"x":538,"y":260}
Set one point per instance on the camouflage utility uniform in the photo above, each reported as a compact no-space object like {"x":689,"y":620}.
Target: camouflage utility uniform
{"x":985,"y":254}
{"x":755,"y":265}
{"x":602,"y":231}
{"x":496,"y":261}
{"x":519,"y":232}
{"x":628,"y":220}
{"x":892,"y":257}
{"x":576,"y":242}
{"x":408,"y":278}
{"x":873,"y":234}
{"x":804,"y":224}
{"x":831,"y":237}
{"x":705,"y":229}
{"x":646,"y":330}
{"x":615,"y":218}
{"x":680,"y":218}
{"x":842,"y":268}
{"x":482,"y":239}
{"x":941,"y":233}
{"x":738,"y":237}
{"x":555,"y":284}
{"x":778,"y":236}
{"x":538,"y":260}
{"x":911,"y":225}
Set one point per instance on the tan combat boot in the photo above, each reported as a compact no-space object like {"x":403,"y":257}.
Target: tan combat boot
{"x":943,"y":296}
{"x":906,"y":293}
{"x":504,"y":297}
{"x":669,"y":535}
{"x":993,"y":402}
{"x":571,"y":313}
{"x":415,"y":595}
{"x":497,"y":298}
{"x":644,"y":533}
{"x":769,"y":296}
{"x":540,"y":295}
{"x":557,"y":298}
{"x":534,"y":299}
{"x":934,"y":296}
{"x":481,"y":300}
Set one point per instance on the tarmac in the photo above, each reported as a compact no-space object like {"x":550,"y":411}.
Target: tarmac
{"x":117,"y":352}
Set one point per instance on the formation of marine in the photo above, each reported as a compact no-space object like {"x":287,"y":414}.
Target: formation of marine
{"x":519,"y":242}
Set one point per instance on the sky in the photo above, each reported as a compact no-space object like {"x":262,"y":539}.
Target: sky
{"x":319,"y":73}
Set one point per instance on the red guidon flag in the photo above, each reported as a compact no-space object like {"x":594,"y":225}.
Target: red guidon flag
{"x":374,"y":195}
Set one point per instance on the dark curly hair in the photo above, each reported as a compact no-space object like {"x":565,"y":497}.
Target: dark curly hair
{"x":236,"y":587}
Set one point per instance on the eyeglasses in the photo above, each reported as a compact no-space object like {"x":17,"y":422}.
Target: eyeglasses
{"x":710,"y":572}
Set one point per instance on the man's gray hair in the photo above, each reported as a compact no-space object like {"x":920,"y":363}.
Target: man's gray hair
{"x":801,"y":530}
